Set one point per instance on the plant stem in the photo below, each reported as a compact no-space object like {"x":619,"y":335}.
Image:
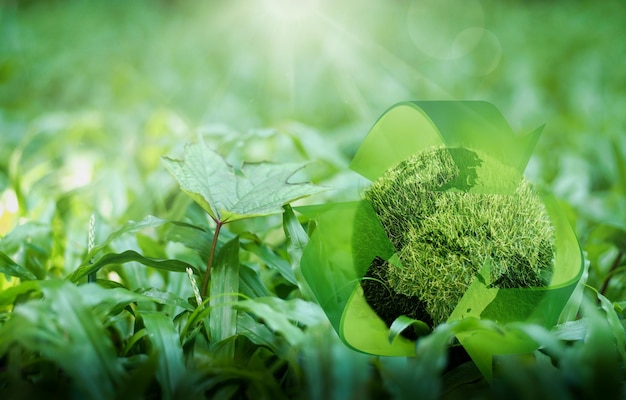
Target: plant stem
{"x":207,"y":273}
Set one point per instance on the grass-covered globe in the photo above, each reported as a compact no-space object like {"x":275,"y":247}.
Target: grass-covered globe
{"x":444,"y":226}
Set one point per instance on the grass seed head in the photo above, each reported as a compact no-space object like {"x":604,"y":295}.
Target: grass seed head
{"x":443,"y":231}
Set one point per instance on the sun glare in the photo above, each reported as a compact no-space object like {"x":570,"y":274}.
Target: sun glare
{"x":290,"y":11}
{"x":8,"y":211}
{"x":8,"y":202}
{"x":302,"y":41}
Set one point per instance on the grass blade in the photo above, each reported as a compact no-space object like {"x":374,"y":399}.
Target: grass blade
{"x":297,"y":240}
{"x":271,"y":259}
{"x":10,"y":267}
{"x":285,"y":316}
{"x":128,"y":256}
{"x":64,"y":329}
{"x":224,"y":286}
{"x":166,"y":344}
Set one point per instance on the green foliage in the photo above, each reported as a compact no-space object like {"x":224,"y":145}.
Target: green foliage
{"x":224,"y":288}
{"x":93,"y":94}
{"x":443,"y":231}
{"x":227,"y":195}
{"x":65,"y":330}
{"x":10,"y":268}
{"x":165,"y":343}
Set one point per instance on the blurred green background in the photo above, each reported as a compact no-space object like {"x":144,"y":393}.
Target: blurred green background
{"x":93,"y":93}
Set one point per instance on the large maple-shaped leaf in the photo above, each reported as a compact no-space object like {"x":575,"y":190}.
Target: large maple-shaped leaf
{"x":228,"y":195}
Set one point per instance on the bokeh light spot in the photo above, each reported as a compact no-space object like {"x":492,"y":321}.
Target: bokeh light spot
{"x":481,"y":51}
{"x":435,"y":25}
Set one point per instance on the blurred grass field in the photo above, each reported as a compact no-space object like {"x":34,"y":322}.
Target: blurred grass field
{"x":93,"y":93}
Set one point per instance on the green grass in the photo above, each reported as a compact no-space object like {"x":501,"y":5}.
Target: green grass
{"x":93,"y":94}
{"x":444,"y":231}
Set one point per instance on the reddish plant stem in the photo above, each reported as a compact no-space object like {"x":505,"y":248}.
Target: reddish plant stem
{"x":209,"y":264}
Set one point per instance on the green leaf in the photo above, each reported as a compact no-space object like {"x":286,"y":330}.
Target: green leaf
{"x":593,"y":364}
{"x":166,"y":298}
{"x":274,"y":319}
{"x":64,"y":328}
{"x":193,"y":237}
{"x":613,"y":325}
{"x":250,"y":283}
{"x":224,"y":288}
{"x":129,"y":227}
{"x":271,"y":259}
{"x":403,"y":322}
{"x":127,"y":256}
{"x":30,"y":232}
{"x":283,"y":316}
{"x":166,"y":344}
{"x":149,"y":221}
{"x":571,"y":330}
{"x":295,"y":233}
{"x":297,"y":239}
{"x":257,"y":189}
{"x":9,"y":267}
{"x":420,"y":376}
{"x":32,"y":243}
{"x":260,"y":334}
{"x":9,"y":295}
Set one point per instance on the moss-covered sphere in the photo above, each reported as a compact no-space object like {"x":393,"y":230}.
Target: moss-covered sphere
{"x":444,"y":224}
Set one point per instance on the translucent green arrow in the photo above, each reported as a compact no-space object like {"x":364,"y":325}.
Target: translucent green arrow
{"x":349,"y":236}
